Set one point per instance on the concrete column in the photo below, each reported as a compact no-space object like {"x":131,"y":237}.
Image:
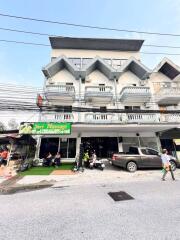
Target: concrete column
{"x":38,"y":146}
{"x":78,"y":142}
{"x":158,"y":142}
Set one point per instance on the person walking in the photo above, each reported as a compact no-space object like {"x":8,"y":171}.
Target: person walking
{"x":166,"y":164}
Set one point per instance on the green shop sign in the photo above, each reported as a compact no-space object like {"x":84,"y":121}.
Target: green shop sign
{"x":45,"y":128}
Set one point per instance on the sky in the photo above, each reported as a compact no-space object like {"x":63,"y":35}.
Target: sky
{"x":22,"y":64}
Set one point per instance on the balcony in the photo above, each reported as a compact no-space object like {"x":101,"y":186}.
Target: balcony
{"x":171,"y":118}
{"x":141,"y":118}
{"x":131,"y":94}
{"x":59,"y":117}
{"x":98,"y":94}
{"x":101,"y":118}
{"x":60,"y":94}
{"x":167,"y":93}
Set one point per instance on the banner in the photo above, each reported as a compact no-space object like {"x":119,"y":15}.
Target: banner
{"x":45,"y":128}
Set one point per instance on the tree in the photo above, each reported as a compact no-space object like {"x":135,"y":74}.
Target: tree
{"x":2,"y":126}
{"x":13,"y":124}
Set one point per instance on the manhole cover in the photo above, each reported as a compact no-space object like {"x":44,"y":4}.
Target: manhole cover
{"x":120,"y":196}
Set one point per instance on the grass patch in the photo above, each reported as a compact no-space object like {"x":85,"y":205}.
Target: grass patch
{"x":46,"y":170}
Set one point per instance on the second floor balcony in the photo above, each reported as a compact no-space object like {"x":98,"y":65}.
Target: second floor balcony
{"x":167,"y":93}
{"x":60,"y":93}
{"x":98,"y":94}
{"x":133,"y":93}
{"x":101,"y":118}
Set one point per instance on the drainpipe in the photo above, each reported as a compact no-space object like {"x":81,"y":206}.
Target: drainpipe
{"x":79,"y":101}
{"x":115,"y":87}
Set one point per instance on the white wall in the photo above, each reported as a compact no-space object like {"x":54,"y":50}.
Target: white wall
{"x":79,"y":53}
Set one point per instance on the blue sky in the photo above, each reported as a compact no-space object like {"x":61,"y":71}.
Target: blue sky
{"x":22,"y":64}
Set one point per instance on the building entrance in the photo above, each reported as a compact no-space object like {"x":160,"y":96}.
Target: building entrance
{"x":104,"y":146}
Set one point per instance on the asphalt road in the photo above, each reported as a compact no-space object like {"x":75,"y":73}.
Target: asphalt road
{"x":87,"y":212}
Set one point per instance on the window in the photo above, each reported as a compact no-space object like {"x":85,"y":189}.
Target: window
{"x":132,"y":107}
{"x":69,"y":84}
{"x":133,"y":150}
{"x":68,"y":147}
{"x":148,"y":151}
{"x":103,"y":109}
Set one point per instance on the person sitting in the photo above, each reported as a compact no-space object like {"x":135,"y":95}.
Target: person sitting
{"x":47,"y":162}
{"x":4,"y":156}
{"x":57,"y":159}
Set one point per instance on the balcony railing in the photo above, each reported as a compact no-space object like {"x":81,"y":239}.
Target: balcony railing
{"x":110,"y":118}
{"x":172,"y":118}
{"x":131,"y":93}
{"x":167,"y":93}
{"x":142,"y":118}
{"x":98,"y":93}
{"x":98,"y":89}
{"x":101,"y":117}
{"x":60,"y":89}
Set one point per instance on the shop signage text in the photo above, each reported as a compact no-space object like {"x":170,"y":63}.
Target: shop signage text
{"x":45,"y":128}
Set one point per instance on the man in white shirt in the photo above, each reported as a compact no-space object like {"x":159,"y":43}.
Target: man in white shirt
{"x":166,"y":164}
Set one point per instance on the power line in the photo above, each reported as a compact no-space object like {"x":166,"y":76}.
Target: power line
{"x":88,"y":26}
{"x":26,"y":43}
{"x":53,"y":35}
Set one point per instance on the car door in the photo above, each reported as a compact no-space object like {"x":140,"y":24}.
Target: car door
{"x":150,"y":158}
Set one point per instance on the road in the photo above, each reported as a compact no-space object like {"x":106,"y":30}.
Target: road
{"x":86,"y":212}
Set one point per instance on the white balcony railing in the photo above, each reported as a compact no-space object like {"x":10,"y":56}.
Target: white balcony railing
{"x":58,"y":117}
{"x":60,"y":89}
{"x":101,"y":117}
{"x":171,"y":118}
{"x":131,"y":93}
{"x":142,"y":118}
{"x":118,"y":118}
{"x":136,"y":90}
{"x":98,"y":89}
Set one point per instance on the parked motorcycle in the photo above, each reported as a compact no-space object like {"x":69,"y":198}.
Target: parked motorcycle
{"x":96,"y":163}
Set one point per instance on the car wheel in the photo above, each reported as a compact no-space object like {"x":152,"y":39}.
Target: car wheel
{"x":173,"y":165}
{"x":131,"y":167}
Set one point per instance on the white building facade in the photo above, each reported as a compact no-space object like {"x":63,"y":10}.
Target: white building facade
{"x":112,"y":100}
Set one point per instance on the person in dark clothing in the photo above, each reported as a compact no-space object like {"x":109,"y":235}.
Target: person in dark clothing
{"x":47,"y":162}
{"x":57,"y":160}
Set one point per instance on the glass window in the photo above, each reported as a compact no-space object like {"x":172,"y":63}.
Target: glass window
{"x":72,"y":148}
{"x":148,"y":151}
{"x":68,"y":147}
{"x":63,"y":147}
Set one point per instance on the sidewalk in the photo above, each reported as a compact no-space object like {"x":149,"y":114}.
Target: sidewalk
{"x":96,"y":176}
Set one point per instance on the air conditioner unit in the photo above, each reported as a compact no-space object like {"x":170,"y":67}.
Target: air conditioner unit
{"x":142,"y":82}
{"x":88,"y":79}
{"x":50,"y":81}
{"x":147,"y":105}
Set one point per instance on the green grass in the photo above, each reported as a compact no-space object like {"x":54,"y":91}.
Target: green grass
{"x":46,"y":170}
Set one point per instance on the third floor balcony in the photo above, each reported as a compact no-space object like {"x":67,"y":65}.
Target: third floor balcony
{"x":98,"y":94}
{"x":133,"y":93}
{"x":167,"y":92}
{"x":60,"y":93}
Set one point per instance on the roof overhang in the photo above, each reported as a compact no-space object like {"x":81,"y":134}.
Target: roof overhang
{"x":57,"y":65}
{"x":136,"y":67}
{"x":96,"y":43}
{"x":168,"y":68}
{"x":102,"y":66}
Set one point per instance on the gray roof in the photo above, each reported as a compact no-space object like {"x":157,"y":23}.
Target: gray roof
{"x":96,"y":43}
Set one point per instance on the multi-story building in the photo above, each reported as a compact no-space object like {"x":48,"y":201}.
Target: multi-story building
{"x":112,"y":99}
